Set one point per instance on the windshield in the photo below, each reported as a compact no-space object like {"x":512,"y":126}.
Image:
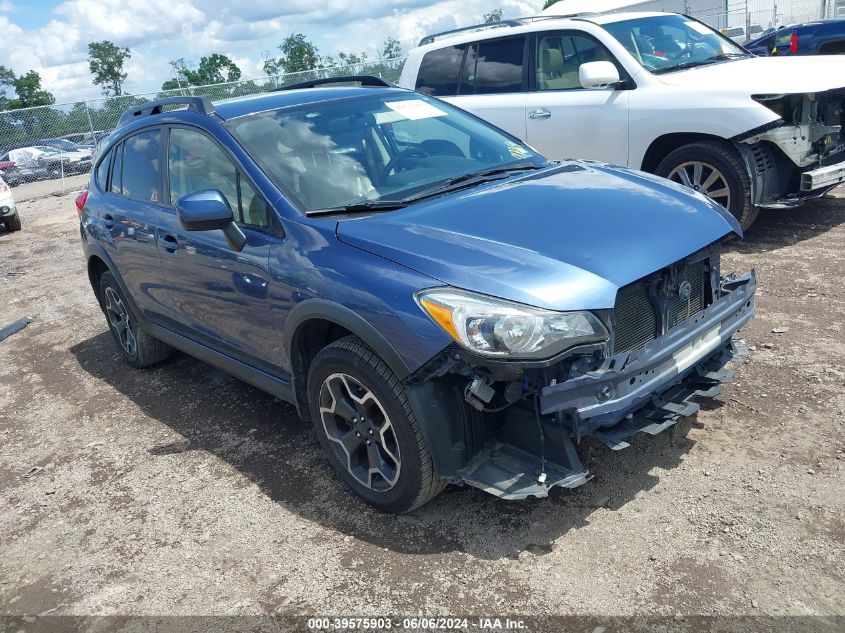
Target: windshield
{"x":378,"y":148}
{"x":62,"y":144}
{"x":671,"y":42}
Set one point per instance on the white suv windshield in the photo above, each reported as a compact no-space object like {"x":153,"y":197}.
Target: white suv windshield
{"x":672,"y":42}
{"x":381,"y":148}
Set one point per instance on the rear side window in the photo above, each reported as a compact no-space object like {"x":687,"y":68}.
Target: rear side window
{"x":498,"y":66}
{"x":439,"y":70}
{"x":103,"y":171}
{"x":116,"y":183}
{"x":142,"y":166}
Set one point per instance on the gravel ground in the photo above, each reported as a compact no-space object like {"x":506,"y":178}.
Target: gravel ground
{"x":180,"y":490}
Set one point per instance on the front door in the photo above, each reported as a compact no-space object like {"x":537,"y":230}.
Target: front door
{"x":219,"y":296}
{"x":564,"y":120}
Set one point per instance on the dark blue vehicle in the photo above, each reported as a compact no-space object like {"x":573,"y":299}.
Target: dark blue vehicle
{"x":444,"y":304}
{"x":825,"y":37}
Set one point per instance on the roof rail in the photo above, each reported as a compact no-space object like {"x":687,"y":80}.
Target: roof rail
{"x":364,"y":80}
{"x":428,"y":39}
{"x":200,"y":105}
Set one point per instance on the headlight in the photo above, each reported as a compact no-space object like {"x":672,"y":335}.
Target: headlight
{"x":495,"y":327}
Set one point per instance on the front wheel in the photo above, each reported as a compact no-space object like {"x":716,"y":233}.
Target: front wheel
{"x":368,"y":429}
{"x":138,"y":348}
{"x":13,"y":223}
{"x":715,"y":169}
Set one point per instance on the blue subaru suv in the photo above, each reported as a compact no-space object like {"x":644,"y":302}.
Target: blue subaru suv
{"x":441,"y":302}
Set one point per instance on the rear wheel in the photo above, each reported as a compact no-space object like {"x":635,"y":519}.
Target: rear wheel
{"x":13,"y":224}
{"x":368,"y":429}
{"x":716,"y":170}
{"x":138,"y":348}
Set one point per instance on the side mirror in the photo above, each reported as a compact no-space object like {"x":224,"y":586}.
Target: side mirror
{"x":209,"y":210}
{"x":597,"y":75}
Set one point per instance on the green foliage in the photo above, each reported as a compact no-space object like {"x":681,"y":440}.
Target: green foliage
{"x":297,"y":54}
{"x":390,"y":49}
{"x":214,"y":69}
{"x":494,"y":16}
{"x":105,"y":60}
{"x":28,"y":90}
{"x":549,"y":3}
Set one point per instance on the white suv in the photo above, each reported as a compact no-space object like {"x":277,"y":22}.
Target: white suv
{"x":660,"y":92}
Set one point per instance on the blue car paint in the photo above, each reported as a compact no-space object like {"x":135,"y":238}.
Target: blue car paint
{"x":812,"y":38}
{"x":564,"y":239}
{"x":486,"y":239}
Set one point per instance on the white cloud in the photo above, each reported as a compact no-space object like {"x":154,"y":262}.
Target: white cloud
{"x":7,"y":6}
{"x":159,"y":30}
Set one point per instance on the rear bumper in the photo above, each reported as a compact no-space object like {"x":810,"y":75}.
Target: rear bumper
{"x":823,"y":177}
{"x":693,"y":354}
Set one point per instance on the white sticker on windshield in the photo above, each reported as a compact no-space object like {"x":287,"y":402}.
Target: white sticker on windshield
{"x":415,"y":109}
{"x":698,"y":27}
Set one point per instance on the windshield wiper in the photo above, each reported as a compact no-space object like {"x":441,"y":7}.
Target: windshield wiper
{"x":470,"y":179}
{"x":700,"y":62}
{"x":358,"y":207}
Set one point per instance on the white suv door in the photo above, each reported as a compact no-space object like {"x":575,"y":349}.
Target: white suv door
{"x":564,"y":120}
{"x":493,"y":80}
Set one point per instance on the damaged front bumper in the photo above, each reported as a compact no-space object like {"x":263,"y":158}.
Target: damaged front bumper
{"x":647,"y":390}
{"x":628,"y":381}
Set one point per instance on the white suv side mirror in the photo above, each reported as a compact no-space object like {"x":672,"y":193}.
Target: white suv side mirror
{"x":596,"y":75}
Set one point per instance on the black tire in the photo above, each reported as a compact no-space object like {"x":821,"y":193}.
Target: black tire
{"x":13,"y":224}
{"x":416,"y":482}
{"x":146,"y":351}
{"x":725,"y":159}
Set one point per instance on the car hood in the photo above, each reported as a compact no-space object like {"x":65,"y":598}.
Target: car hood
{"x":765,"y":75}
{"x":566,"y":238}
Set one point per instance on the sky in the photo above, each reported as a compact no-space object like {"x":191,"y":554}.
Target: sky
{"x":52,"y":36}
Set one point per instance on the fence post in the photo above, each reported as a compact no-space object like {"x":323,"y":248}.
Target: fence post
{"x":90,"y":122}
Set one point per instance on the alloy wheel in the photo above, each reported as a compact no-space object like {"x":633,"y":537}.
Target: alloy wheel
{"x":360,"y":431}
{"x":119,"y":319}
{"x":704,"y":178}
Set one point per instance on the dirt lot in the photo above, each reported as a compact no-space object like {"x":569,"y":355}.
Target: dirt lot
{"x":181,"y":490}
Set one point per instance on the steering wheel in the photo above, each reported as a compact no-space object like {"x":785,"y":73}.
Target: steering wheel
{"x":395,"y":162}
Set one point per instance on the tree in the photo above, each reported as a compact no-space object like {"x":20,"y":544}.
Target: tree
{"x":298,"y":54}
{"x":390,"y":49}
{"x":214,"y":69}
{"x":105,"y":60}
{"x":29,"y":92}
{"x":494,"y":16}
{"x":549,"y":3}
{"x":7,"y":80}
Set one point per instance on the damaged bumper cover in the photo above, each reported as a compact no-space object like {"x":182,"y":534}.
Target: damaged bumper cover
{"x":649,"y":389}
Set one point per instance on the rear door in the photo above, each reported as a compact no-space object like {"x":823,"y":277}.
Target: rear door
{"x":131,"y":177}
{"x":487,"y":78}
{"x":218,"y":296}
{"x":564,"y":120}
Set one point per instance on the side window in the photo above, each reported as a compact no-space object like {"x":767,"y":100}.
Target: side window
{"x":439,"y":70}
{"x":196,"y":163}
{"x":559,"y":59}
{"x":116,"y":183}
{"x":498,"y":67}
{"x":142,"y":169}
{"x":103,"y":171}
{"x":253,"y":209}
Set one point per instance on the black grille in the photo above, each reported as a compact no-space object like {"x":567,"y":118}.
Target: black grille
{"x":636,"y":319}
{"x":678,"y":309}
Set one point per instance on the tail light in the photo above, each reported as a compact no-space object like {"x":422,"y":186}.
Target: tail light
{"x":793,"y":44}
{"x":81,"y":199}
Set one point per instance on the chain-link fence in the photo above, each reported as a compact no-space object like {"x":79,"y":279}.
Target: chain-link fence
{"x":746,"y":19}
{"x":56,"y":142}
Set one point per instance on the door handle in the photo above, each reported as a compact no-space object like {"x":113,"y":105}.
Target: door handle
{"x":169,"y":243}
{"x":108,"y":221}
{"x":542,"y":113}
